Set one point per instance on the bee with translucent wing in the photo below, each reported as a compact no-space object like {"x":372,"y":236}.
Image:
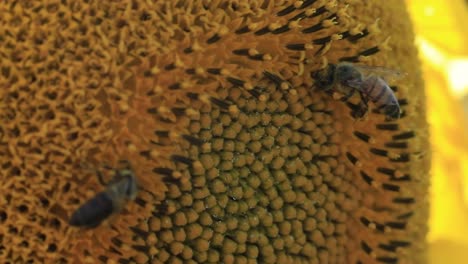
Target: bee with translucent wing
{"x":347,"y":78}
{"x":121,"y":189}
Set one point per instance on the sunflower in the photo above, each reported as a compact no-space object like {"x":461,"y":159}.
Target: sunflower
{"x":240,"y":157}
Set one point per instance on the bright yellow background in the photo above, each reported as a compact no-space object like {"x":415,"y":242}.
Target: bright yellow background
{"x":441,"y":28}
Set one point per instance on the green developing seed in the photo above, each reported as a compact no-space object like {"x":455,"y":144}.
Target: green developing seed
{"x":228,"y":259}
{"x":176,"y":248}
{"x":179,"y":235}
{"x":213,"y":256}
{"x":155,"y":224}
{"x":198,"y":206}
{"x":278,"y":244}
{"x":229,"y":246}
{"x":166,"y":236}
{"x":236,"y":193}
{"x":197,"y":181}
{"x":193,"y":231}
{"x":229,"y":145}
{"x":217,"y":239}
{"x":201,"y":256}
{"x":240,"y":147}
{"x":272,"y":231}
{"x":200,"y":193}
{"x":225,"y":119}
{"x":232,"y":208}
{"x":277,"y":163}
{"x":195,"y":127}
{"x":240,"y":237}
{"x":276,"y":203}
{"x":201,"y":245}
{"x":254,"y":146}
{"x":289,"y":212}
{"x":257,"y":133}
{"x":187,"y":253}
{"x":278,"y":216}
{"x":285,"y":228}
{"x":272,"y":131}
{"x":223,"y":200}
{"x":265,"y":119}
{"x":180,"y":219}
{"x":226,"y":165}
{"x":217,"y":129}
{"x":232,"y":223}
{"x":210,"y":201}
{"x":218,"y":186}
{"x":268,"y":142}
{"x":257,"y":166}
{"x":252,"y":251}
{"x":272,"y":106}
{"x":207,"y":233}
{"x":229,"y":133}
{"x":205,"y":121}
{"x":166,"y":222}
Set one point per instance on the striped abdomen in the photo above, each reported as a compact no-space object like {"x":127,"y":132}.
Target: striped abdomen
{"x":93,"y":212}
{"x":378,"y":91}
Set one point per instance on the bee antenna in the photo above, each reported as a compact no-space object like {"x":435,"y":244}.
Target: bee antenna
{"x":315,"y":74}
{"x":101,"y":178}
{"x":107,"y":167}
{"x":125,"y":162}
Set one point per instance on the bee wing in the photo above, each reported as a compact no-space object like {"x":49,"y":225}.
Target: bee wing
{"x":357,"y":84}
{"x":387,"y":74}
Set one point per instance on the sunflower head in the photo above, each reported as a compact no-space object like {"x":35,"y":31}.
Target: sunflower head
{"x":240,"y":155}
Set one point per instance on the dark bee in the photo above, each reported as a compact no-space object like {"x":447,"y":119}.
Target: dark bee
{"x":347,"y":78}
{"x":120,"y":189}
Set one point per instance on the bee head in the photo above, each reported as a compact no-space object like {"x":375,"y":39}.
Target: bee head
{"x":324,"y":77}
{"x":124,"y":184}
{"x":125,"y":189}
{"x":346,"y":71}
{"x":125,"y":173}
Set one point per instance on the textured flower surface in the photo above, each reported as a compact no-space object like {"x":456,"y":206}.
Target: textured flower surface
{"x":240,"y":158}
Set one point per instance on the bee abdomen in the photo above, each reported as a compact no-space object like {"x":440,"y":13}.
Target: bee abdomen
{"x":392,"y":111}
{"x":375,"y":88}
{"x":93,"y":212}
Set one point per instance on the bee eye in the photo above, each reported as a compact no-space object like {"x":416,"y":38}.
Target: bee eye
{"x":344,"y":70}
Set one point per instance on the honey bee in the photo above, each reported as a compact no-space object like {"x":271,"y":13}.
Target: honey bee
{"x":121,"y":189}
{"x":347,"y":78}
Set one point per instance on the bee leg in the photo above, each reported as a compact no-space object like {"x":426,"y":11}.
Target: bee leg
{"x":365,"y":101}
{"x":359,"y":112}
{"x":101,"y":178}
{"x":99,"y":174}
{"x":329,"y":92}
{"x":362,"y":108}
{"x":347,"y":96}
